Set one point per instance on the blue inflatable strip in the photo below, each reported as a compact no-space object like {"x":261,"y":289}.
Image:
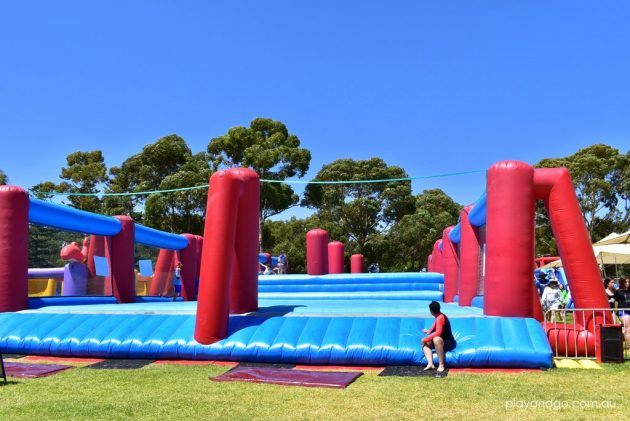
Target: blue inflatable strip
{"x":477,"y":215}
{"x":348,"y":278}
{"x":339,"y":287}
{"x":481,"y":341}
{"x":416,"y":308}
{"x":156,"y":238}
{"x":156,"y":299}
{"x":40,"y":302}
{"x":456,"y":234}
{"x":477,"y":301}
{"x":358,"y":295}
{"x":67,"y":218}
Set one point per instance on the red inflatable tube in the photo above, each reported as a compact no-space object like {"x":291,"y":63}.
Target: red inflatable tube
{"x":430,"y":263}
{"x":450,"y":261}
{"x":244,"y":285}
{"x":437,"y":257}
{"x":356,"y":263}
{"x":14,"y":205}
{"x":317,"y":252}
{"x":231,"y":199}
{"x":554,"y":187}
{"x":122,"y":254}
{"x":163,"y":273}
{"x":571,"y":342}
{"x":509,"y":240}
{"x":468,"y":259}
{"x":199,"y":246}
{"x":98,"y":245}
{"x":188,"y":258}
{"x":336,"y":250}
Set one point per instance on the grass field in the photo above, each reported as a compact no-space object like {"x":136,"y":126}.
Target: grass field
{"x":168,"y":392}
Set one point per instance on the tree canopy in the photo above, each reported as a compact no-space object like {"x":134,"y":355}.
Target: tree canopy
{"x":267,"y":147}
{"x":360,"y":211}
{"x":3,"y":178}
{"x":167,"y":163}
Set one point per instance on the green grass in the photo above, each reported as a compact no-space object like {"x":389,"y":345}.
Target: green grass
{"x":165,"y":392}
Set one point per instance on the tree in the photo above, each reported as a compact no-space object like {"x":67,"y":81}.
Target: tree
{"x":360,"y":211}
{"x":413,"y":236}
{"x":267,"y":147}
{"x":85,"y":173}
{"x":598,"y":173}
{"x":290,"y":237}
{"x":166,"y":164}
{"x":3,"y":178}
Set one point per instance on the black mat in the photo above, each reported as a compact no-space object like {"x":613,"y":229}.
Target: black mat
{"x":411,"y":371}
{"x":13,"y":356}
{"x":249,"y":364}
{"x":119,"y":364}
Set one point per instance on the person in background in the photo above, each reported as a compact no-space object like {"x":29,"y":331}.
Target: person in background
{"x":541,"y":282}
{"x":552,"y":299}
{"x":268,"y":270}
{"x":609,"y":285}
{"x":283,"y":263}
{"x":177,"y":281}
{"x":622,"y":296}
{"x":439,"y":337}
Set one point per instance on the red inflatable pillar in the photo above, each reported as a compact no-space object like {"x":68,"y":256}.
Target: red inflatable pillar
{"x":163,"y":272}
{"x":554,"y":187}
{"x":336,"y":251}
{"x":450,"y":261}
{"x":123,"y":260}
{"x":356,"y":263}
{"x":188,"y":257}
{"x":317,"y":252}
{"x":14,"y":205}
{"x":430,"y":263}
{"x":244,"y":285}
{"x":232,"y":197}
{"x":508,"y":286}
{"x":468,"y":259}
{"x":99,"y":246}
{"x":437,"y":257}
{"x":199,"y":247}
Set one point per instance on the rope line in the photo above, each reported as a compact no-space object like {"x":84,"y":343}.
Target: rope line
{"x":381,"y":180}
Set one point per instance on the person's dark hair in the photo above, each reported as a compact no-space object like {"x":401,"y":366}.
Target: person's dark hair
{"x":624,"y":284}
{"x":434,"y":306}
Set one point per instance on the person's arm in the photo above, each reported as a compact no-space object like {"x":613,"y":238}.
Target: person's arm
{"x":429,"y":330}
{"x":438,"y":325}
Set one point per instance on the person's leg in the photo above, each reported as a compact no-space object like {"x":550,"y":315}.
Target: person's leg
{"x":428,"y":353}
{"x":439,"y":350}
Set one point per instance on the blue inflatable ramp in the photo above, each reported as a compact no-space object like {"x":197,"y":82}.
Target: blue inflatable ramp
{"x":353,"y":286}
{"x":481,"y":341}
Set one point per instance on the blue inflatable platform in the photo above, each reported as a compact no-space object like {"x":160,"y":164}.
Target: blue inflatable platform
{"x":481,"y":341}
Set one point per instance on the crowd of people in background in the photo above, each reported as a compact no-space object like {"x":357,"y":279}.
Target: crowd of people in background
{"x":618,"y":293}
{"x":280,"y":268}
{"x":554,"y":295}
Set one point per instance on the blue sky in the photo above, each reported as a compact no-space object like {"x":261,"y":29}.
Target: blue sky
{"x":431,"y":86}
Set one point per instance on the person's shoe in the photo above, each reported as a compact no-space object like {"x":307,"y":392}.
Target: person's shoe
{"x":429,"y":368}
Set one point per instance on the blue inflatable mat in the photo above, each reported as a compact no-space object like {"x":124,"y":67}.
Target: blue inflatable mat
{"x":352,"y":278}
{"x":482,"y":341}
{"x":354,"y":295}
{"x":354,"y":287}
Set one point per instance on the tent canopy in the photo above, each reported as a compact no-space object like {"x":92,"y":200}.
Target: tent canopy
{"x":610,"y":254}
{"x":614,"y":238}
